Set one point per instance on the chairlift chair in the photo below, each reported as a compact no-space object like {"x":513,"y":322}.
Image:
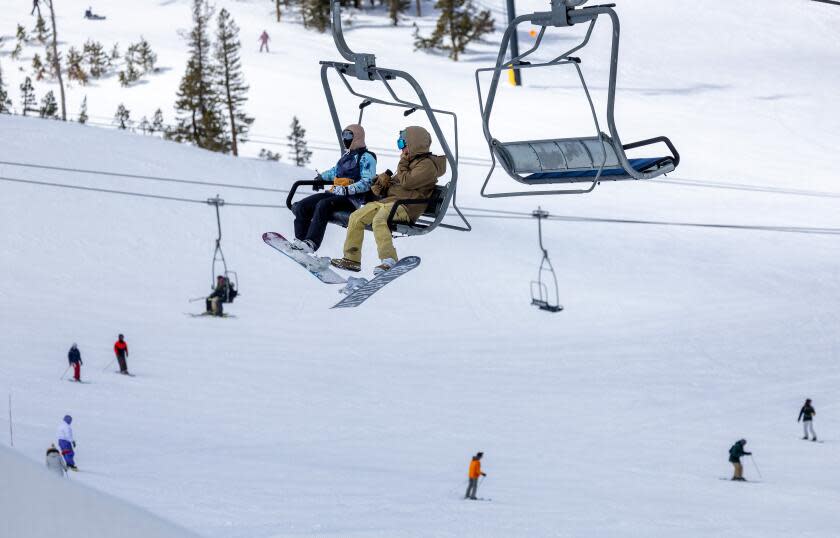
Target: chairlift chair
{"x":219,"y":264}
{"x":539,"y":289}
{"x":362,"y":66}
{"x":589,"y":159}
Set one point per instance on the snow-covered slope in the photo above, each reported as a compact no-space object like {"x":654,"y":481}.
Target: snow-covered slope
{"x":610,"y":419}
{"x":37,"y":504}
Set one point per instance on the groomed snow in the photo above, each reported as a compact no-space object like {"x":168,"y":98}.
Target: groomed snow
{"x":612,"y":418}
{"x":38,"y":504}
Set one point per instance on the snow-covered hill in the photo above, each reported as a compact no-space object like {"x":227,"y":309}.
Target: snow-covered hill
{"x":610,"y":419}
{"x":37,"y":504}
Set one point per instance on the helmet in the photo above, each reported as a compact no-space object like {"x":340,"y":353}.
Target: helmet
{"x":68,"y":419}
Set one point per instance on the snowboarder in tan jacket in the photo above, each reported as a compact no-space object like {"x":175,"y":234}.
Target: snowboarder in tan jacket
{"x":415,"y":179}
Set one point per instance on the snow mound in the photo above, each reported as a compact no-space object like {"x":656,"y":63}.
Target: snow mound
{"x":35,"y":503}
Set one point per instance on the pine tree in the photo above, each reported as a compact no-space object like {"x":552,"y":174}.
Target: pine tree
{"x":459,"y":24}
{"x":277,"y":9}
{"x":22,"y":38}
{"x":55,"y":64}
{"x":146,"y":58}
{"x":269,"y":155}
{"x":49,"y":106}
{"x":41,"y":32}
{"x":299,"y":152}
{"x":122,"y":118}
{"x":83,"y":115}
{"x":75,"y":71}
{"x":230,"y":82}
{"x":96,"y":58}
{"x":201,"y":121}
{"x":395,"y":7}
{"x":130,"y":73}
{"x":316,"y":13}
{"x":144,"y":126}
{"x":27,"y":96}
{"x":5,"y":102}
{"x":157,"y":122}
{"x":38,"y":69}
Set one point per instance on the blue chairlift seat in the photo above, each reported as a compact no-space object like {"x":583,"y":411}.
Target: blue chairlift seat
{"x":571,"y":160}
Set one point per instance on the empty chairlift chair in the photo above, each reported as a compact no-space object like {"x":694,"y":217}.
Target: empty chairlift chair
{"x":589,"y":159}
{"x":362,"y":67}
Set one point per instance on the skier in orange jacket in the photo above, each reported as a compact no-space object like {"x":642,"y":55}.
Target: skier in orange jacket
{"x":474,"y":474}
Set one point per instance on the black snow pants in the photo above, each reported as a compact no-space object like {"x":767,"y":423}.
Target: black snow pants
{"x":312,"y":214}
{"x":121,"y":360}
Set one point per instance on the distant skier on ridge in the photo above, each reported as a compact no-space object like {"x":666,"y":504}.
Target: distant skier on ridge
{"x":806,"y":416}
{"x":735,"y":454}
{"x":264,"y":39}
{"x":66,"y":442}
{"x":473,"y":474}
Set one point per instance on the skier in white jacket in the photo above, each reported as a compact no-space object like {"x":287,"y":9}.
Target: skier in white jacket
{"x":55,"y":462}
{"x":66,"y":442}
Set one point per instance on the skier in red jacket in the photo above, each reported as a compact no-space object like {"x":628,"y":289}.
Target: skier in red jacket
{"x":121,"y":351}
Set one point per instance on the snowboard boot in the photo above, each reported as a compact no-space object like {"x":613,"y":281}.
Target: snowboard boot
{"x":306,"y":246}
{"x":347,"y":265}
{"x":386,"y":264}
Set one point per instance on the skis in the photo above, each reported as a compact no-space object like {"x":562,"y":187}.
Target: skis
{"x":80,"y":381}
{"x":208,"y":315}
{"x":317,"y":267}
{"x":360,"y":294}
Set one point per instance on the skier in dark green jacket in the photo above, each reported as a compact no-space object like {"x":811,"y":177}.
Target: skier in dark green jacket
{"x":735,"y":453}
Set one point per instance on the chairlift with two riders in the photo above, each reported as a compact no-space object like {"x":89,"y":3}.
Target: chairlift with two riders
{"x":362,"y":67}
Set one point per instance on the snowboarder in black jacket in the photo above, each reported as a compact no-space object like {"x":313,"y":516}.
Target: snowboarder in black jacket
{"x":806,"y":415}
{"x":735,"y":453}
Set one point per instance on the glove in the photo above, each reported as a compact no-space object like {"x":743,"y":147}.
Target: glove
{"x":319,"y":183}
{"x":339,"y":190}
{"x":483,"y":474}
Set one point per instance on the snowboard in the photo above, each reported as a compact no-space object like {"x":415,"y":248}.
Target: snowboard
{"x":317,"y":267}
{"x":363,"y":292}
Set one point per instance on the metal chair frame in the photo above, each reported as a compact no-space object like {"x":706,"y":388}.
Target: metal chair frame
{"x":564,"y":15}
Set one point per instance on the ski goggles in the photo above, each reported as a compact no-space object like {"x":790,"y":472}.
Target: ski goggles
{"x":347,"y":135}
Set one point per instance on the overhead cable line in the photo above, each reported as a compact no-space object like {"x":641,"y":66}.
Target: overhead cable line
{"x":131,"y":193}
{"x":140,"y":176}
{"x":479,"y":213}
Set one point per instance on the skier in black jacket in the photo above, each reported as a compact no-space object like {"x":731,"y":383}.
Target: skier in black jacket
{"x":735,"y":453}
{"x":806,"y":415}
{"x":74,"y":357}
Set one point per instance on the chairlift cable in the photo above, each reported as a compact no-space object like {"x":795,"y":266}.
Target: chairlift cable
{"x":140,"y":176}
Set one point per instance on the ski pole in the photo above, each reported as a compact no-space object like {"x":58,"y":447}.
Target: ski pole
{"x":109,"y":364}
{"x":64,"y":374}
{"x":752,"y":459}
{"x":11,"y":430}
{"x":197,"y":299}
